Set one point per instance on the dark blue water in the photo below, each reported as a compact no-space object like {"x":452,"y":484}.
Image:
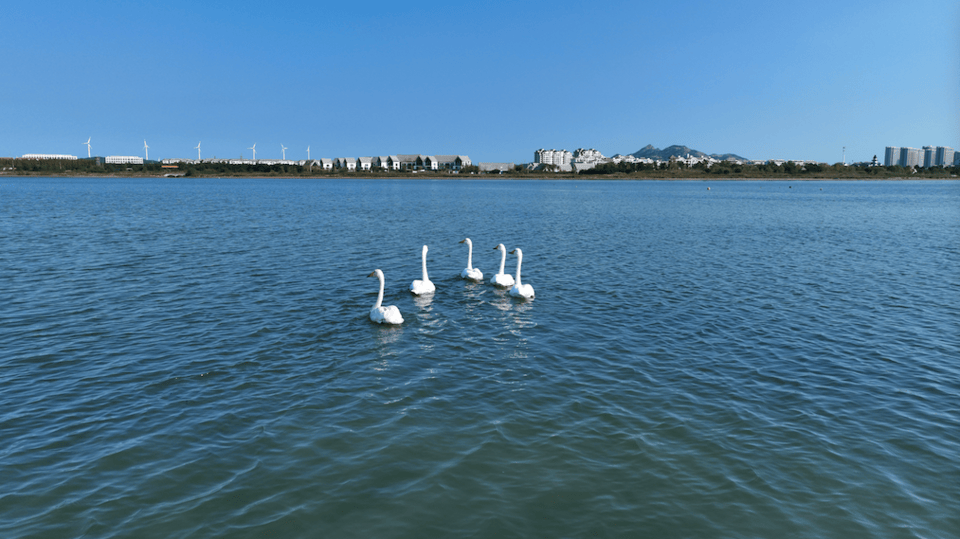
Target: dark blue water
{"x":193,"y":358}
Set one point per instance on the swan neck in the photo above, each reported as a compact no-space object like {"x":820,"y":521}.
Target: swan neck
{"x":379,"y":295}
{"x":425,"y":278}
{"x":503,"y":259}
{"x":469,"y":255}
{"x":519,"y":261}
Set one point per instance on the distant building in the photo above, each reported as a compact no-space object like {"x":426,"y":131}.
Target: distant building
{"x":364,"y":163}
{"x":326,"y":163}
{"x":927,"y":157}
{"x":891,"y":157}
{"x":427,"y":162}
{"x":945,"y":157}
{"x":453,"y":162}
{"x":348,"y":163}
{"x":123,"y":160}
{"x":408,"y":161}
{"x":582,"y":155}
{"x":552,"y":157}
{"x":910,"y":157}
{"x":49,"y":156}
{"x":499,"y":168}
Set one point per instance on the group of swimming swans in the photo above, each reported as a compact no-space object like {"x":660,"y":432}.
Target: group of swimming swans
{"x":391,"y":314}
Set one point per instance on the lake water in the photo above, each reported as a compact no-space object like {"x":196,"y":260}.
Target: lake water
{"x":193,"y":358}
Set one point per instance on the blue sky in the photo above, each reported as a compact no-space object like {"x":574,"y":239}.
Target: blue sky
{"x":493,"y":80}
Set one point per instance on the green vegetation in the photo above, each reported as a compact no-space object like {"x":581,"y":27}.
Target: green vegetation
{"x":728,"y":170}
{"x":665,"y":170}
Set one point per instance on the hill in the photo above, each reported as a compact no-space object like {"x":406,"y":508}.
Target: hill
{"x":665,"y":154}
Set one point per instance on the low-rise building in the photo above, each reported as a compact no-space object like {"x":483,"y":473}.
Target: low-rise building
{"x":123,"y":160}
{"x":348,"y":163}
{"x":498,"y":168}
{"x":63,"y":157}
{"x":453,"y":162}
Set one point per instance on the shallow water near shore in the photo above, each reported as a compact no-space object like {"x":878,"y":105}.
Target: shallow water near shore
{"x":193,"y":358}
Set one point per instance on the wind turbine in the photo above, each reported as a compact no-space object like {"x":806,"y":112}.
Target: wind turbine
{"x":198,"y":151}
{"x":146,"y":150}
{"x":254,"y":148}
{"x":283,"y":150}
{"x":308,"y":153}
{"x":88,"y":146}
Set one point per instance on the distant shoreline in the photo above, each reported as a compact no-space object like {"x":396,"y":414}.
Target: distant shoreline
{"x":523,"y":177}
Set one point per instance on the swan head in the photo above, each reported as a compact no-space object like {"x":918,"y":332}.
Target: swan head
{"x":425,"y":249}
{"x":517,"y":251}
{"x":467,"y":241}
{"x":500,"y":248}
{"x":376,"y":273}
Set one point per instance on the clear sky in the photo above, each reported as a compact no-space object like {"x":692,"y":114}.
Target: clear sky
{"x":493,"y":80}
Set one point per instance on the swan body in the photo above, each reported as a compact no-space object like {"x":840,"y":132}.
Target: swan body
{"x":503,"y":280}
{"x":520,"y":290}
{"x":384,"y":315}
{"x":471,"y":273}
{"x":423,"y":286}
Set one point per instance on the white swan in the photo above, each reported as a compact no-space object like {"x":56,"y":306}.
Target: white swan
{"x":520,"y":290}
{"x":471,"y":272}
{"x":503,"y":280}
{"x":424,"y":286}
{"x":384,"y":315}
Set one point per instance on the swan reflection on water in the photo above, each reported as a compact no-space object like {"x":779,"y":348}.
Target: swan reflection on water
{"x":423,"y":302}
{"x":385,"y":336}
{"x":505,"y":301}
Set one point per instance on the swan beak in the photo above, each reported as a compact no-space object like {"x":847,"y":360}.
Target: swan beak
{"x":373,"y":273}
{"x":497,"y":247}
{"x":461,"y":241}
{"x":513,"y":251}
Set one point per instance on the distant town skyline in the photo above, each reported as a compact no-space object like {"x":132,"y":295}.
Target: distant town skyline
{"x":762,"y":80}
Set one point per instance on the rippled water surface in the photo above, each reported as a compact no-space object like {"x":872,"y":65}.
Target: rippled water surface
{"x":193,"y":358}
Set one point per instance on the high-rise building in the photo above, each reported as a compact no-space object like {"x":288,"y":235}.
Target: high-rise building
{"x":929,"y":156}
{"x":945,"y":157}
{"x":552,"y":157}
{"x":910,"y":157}
{"x":891,"y":157}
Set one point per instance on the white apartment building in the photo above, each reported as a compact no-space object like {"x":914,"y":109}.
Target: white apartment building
{"x":123,"y":160}
{"x":945,"y":156}
{"x":49,"y":156}
{"x":582,"y":155}
{"x":891,"y":156}
{"x":928,"y":156}
{"x":910,"y":157}
{"x":552,"y":157}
